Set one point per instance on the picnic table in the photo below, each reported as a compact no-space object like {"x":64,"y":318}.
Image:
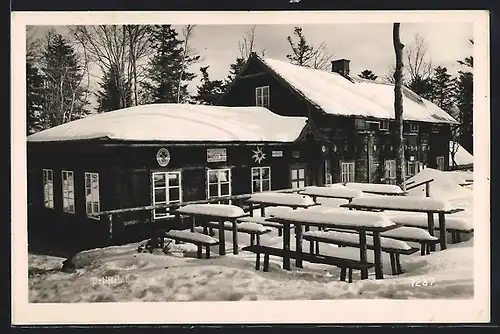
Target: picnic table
{"x":293,"y":201}
{"x":341,"y":219}
{"x":377,"y":189}
{"x":216,"y":212}
{"x":427,"y":205}
{"x":336,"y":191}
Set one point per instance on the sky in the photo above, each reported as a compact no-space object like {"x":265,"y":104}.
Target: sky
{"x":367,"y":46}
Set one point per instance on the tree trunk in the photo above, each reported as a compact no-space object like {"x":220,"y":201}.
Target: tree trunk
{"x":398,"y":106}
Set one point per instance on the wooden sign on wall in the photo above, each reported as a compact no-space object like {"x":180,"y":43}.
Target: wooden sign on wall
{"x":216,"y":155}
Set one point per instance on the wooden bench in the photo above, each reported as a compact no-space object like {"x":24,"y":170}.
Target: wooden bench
{"x":344,"y":264}
{"x":198,"y":239}
{"x":262,"y":221}
{"x":349,"y":239}
{"x":253,"y":229}
{"x":403,"y":233}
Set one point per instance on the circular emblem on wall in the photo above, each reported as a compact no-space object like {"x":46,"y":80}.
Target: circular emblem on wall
{"x":163,"y":157}
{"x":258,"y":155}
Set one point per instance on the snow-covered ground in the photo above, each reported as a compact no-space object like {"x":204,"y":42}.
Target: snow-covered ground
{"x":120,"y":273}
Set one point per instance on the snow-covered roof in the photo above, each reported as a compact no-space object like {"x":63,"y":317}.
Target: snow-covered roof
{"x":179,"y":122}
{"x":336,"y":95}
{"x":462,"y":156}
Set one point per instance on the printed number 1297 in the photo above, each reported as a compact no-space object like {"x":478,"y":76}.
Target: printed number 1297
{"x":422,"y":282}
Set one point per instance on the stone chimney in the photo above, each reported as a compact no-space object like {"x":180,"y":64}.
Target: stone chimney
{"x":341,"y":66}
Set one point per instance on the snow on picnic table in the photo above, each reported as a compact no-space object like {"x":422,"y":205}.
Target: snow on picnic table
{"x":354,"y":238}
{"x":337,"y":217}
{"x":216,"y":210}
{"x":199,"y":237}
{"x":409,"y":233}
{"x":376,"y":188}
{"x":334,"y":190}
{"x":243,"y":226}
{"x":285,"y":199}
{"x":402,"y":202}
{"x":416,"y":220}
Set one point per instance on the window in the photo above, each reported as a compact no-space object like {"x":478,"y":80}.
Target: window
{"x":92,"y":201}
{"x":411,"y":168}
{"x":328,"y":172}
{"x":359,"y":124}
{"x":261,"y":179}
{"x":384,"y":125}
{"x":167,"y":188}
{"x":346,"y":172}
{"x":48,"y":188}
{"x":373,"y":125}
{"x":435,"y":128}
{"x":440,"y":163}
{"x":298,"y":177}
{"x":219,"y":184}
{"x":414,"y":127}
{"x":68,"y":191}
{"x":390,"y":171}
{"x":262,"y":97}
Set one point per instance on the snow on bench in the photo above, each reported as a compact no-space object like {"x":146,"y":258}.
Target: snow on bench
{"x":214,"y":210}
{"x":376,"y":188}
{"x":353,"y":238}
{"x":244,"y":227}
{"x":334,"y":190}
{"x":337,"y":217}
{"x":409,"y":234}
{"x":285,"y":199}
{"x":188,"y":236}
{"x":420,"y":221}
{"x":259,"y":220}
{"x":408,"y":203}
{"x":329,"y":202}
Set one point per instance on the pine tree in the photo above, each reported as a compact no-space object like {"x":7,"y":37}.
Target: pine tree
{"x":443,"y":89}
{"x":305,"y":54}
{"x":64,"y":93}
{"x":422,"y":86}
{"x":166,"y":68}
{"x":234,"y":69}
{"x":368,"y":74}
{"x":464,"y":98}
{"x":34,"y":99}
{"x":109,"y":96}
{"x":209,"y":92}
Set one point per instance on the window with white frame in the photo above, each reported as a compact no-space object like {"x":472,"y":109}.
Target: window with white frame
{"x":411,"y":168}
{"x":68,"y":191}
{"x":262,"y":96}
{"x":384,"y":125}
{"x":347,"y":172}
{"x":440,"y":163}
{"x":390,"y":171}
{"x":48,"y":188}
{"x":435,"y":128}
{"x":328,"y":172}
{"x":92,"y":200}
{"x":219,"y":183}
{"x":414,"y":127}
{"x":261,"y":179}
{"x":298,"y":177}
{"x":167,"y":189}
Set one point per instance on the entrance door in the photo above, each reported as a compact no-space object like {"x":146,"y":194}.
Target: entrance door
{"x":298,"y":176}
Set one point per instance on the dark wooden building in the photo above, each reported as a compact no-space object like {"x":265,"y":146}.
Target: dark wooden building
{"x":160,"y":153}
{"x":353,"y":118}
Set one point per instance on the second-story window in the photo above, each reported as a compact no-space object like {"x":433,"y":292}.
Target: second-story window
{"x":384,"y":125}
{"x":262,"y":96}
{"x":414,"y":127}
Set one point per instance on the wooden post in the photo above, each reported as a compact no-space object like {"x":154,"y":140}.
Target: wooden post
{"x":207,"y":250}
{"x":427,"y":189}
{"x":442,"y":231}
{"x":430,"y":225}
{"x":251,"y":209}
{"x":377,"y":248}
{"x":266,"y":262}
{"x":286,"y":246}
{"x":393,"y":263}
{"x":198,"y":252}
{"x":193,"y":223}
{"x":257,"y":261}
{"x":222,"y":237}
{"x":235,"y":237}
{"x":398,"y":264}
{"x":343,"y":273}
{"x":262,"y":210}
{"x":350,"y":275}
{"x":362,"y":252}
{"x":298,"y":245}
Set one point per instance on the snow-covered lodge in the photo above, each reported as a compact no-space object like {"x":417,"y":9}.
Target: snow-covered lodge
{"x":278,"y":126}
